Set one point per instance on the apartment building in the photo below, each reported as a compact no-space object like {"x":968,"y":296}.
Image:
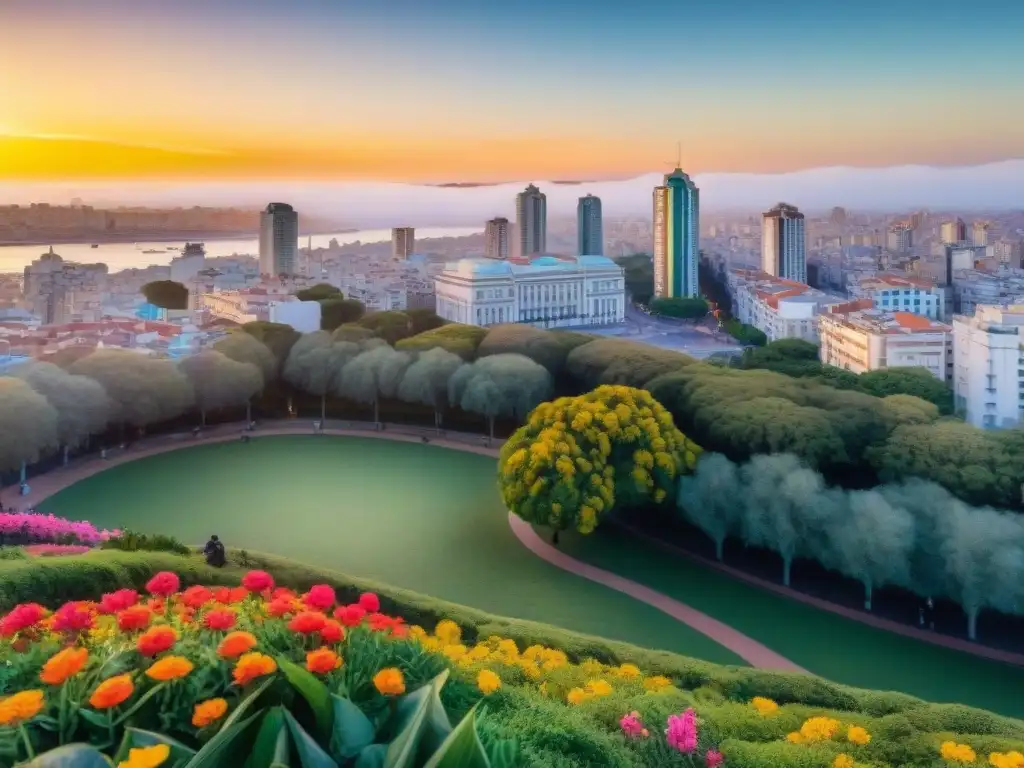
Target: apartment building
{"x":988,"y":383}
{"x":896,"y":293}
{"x":781,"y":309}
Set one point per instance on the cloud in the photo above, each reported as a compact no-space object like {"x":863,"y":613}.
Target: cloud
{"x":113,"y":143}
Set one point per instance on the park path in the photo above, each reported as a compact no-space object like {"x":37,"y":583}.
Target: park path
{"x":43,"y":486}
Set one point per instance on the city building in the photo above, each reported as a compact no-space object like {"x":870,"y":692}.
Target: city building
{"x":900,"y":238}
{"x":532,"y":221}
{"x":988,"y":380}
{"x":781,"y":309}
{"x":252,"y":304}
{"x":676,"y":236}
{"x":496,"y":239}
{"x":1007,"y":252}
{"x":303,"y":316}
{"x":954,"y":232}
{"x":545,"y":291}
{"x":892,"y":293}
{"x":403,"y":243}
{"x":838,"y":216}
{"x":189,"y":264}
{"x":55,"y":289}
{"x":589,"y":228}
{"x":279,"y":240}
{"x":858,"y":338}
{"x":783,"y":243}
{"x":979,"y":234}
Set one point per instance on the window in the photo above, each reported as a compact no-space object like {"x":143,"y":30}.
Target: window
{"x":479,"y":294}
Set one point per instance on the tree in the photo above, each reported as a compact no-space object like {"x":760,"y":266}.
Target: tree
{"x":907,"y":381}
{"x":82,"y":405}
{"x":424,"y":319}
{"x":685,"y":308}
{"x":638,"y":270}
{"x":220,"y":382}
{"x":166,"y":294}
{"x":144,"y":390}
{"x":319,"y":292}
{"x":374,"y":374}
{"x":500,"y":385}
{"x":578,"y":459}
{"x":392,"y":326}
{"x":746,"y":334}
{"x":278,"y":337}
{"x":907,"y":409}
{"x":707,"y":499}
{"x":617,"y":361}
{"x":547,"y":348}
{"x":315,"y":365}
{"x":462,"y":340}
{"x":28,"y":425}
{"x":426,"y":380}
{"x":352,"y":332}
{"x":246,"y":348}
{"x":337,"y":312}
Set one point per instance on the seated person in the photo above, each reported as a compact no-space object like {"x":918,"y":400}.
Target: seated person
{"x":215,"y":554}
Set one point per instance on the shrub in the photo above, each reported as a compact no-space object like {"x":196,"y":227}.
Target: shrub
{"x":130,"y":541}
{"x":461,"y":340}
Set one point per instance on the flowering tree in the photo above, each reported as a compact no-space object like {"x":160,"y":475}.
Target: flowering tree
{"x":578,"y":458}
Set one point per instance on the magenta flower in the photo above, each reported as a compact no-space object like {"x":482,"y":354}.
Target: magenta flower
{"x":714,"y":758}
{"x":34,"y":528}
{"x":633,"y":726}
{"x":681,"y":733}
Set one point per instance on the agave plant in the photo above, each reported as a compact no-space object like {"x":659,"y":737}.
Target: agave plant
{"x":414,"y":733}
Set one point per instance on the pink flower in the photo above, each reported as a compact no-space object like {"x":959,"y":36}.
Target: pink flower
{"x":22,"y":616}
{"x":112,"y":602}
{"x":350,"y":615}
{"x":681,"y":733}
{"x":369,"y":602}
{"x":164,"y":583}
{"x":320,"y":597}
{"x":632,"y":726}
{"x":258,"y":581}
{"x":75,"y":616}
{"x":713,"y":758}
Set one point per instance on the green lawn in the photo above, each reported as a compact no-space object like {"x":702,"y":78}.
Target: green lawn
{"x":430,"y":519}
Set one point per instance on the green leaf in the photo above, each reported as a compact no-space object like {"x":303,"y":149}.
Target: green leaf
{"x":140,"y":703}
{"x":411,"y":721}
{"x":71,"y":756}
{"x":215,"y":752}
{"x":504,"y":753}
{"x":353,"y":731}
{"x":98,"y":719}
{"x":437,"y":726}
{"x":374,"y":756}
{"x":271,"y":746}
{"x":313,"y":691}
{"x":136,"y":737}
{"x":311,"y":755}
{"x":462,"y":748}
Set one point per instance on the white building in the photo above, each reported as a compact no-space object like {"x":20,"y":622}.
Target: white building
{"x":781,"y":309}
{"x":496,"y":239}
{"x":988,"y":382}
{"x":546,"y":291}
{"x":403,"y":243}
{"x":858,"y":338}
{"x":303,"y":316}
{"x":189,"y":264}
{"x":1006,"y":252}
{"x":900,"y":238}
{"x":532,"y":222}
{"x":894,"y":293}
{"x":979,"y":233}
{"x":279,"y":240}
{"x":783,"y":243}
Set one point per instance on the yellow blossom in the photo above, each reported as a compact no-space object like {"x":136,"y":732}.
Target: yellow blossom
{"x":487,"y":681}
{"x":656,"y":683}
{"x":577,"y":696}
{"x":957,"y":753}
{"x":764,"y":706}
{"x":843,"y":761}
{"x":857,"y":735}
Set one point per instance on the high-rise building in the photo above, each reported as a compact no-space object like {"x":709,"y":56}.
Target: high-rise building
{"x":496,"y":238}
{"x":979,"y":233}
{"x":900,"y":237}
{"x":589,"y":227}
{"x":279,"y":239}
{"x":783,"y":244}
{"x":403,"y":243}
{"x":1007,"y":252}
{"x":838,"y":216}
{"x":676,"y":236}
{"x":532,"y":221}
{"x":954,"y":232}
{"x":988,"y":379}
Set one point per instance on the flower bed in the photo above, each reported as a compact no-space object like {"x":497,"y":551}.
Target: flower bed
{"x":18,"y":528}
{"x":55,"y":550}
{"x":182,"y":677}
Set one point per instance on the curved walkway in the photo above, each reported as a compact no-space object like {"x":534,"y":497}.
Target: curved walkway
{"x":43,"y":486}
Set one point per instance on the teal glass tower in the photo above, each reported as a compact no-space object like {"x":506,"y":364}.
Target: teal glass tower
{"x":589,"y":227}
{"x":676,"y":236}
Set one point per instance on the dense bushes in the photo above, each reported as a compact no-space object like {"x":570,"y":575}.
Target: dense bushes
{"x":130,"y":541}
{"x":688,"y":309}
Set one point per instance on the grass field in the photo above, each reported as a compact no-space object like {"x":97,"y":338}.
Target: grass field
{"x":429,"y":519}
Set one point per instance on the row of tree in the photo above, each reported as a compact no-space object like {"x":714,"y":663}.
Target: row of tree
{"x":913,"y":535}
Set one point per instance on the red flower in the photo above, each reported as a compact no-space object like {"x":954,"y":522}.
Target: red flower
{"x":219,"y":619}
{"x":134,"y":617}
{"x":307,"y":622}
{"x":320,"y":597}
{"x":379,"y":622}
{"x":196,"y":597}
{"x":164,"y":583}
{"x":73,"y":617}
{"x":281,"y":607}
{"x":282,"y":593}
{"x":229,"y":596}
{"x":112,"y":602}
{"x":21,"y":617}
{"x":332,"y":632}
{"x":156,"y":639}
{"x":350,"y":615}
{"x":369,"y":602}
{"x":258,"y":581}
{"x":400,"y":630}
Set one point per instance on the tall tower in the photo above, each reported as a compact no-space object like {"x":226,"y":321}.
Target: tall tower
{"x":979,"y":234}
{"x":783,"y":246}
{"x":676,"y":236}
{"x":279,"y":239}
{"x":403,"y":243}
{"x":496,"y":238}
{"x":589,"y":228}
{"x":954,"y":232}
{"x":532,"y":221}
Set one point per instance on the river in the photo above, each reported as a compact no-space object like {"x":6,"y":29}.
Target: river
{"x":118,"y":256}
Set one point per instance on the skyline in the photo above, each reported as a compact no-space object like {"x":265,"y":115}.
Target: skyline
{"x":459,"y":92}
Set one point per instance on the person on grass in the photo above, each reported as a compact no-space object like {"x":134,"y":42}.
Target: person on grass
{"x":214,"y":551}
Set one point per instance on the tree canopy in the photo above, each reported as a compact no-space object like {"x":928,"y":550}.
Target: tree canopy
{"x":685,"y":308}
{"x":82,"y":405}
{"x":500,"y":385}
{"x":319,"y":292}
{"x":392,"y":326}
{"x":462,"y":340}
{"x":278,"y":337}
{"x":219,"y":381}
{"x":28,"y":424}
{"x":166,"y":294}
{"x":335,"y":312}
{"x":245,"y":348}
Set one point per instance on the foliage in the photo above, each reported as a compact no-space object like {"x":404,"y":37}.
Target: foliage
{"x":277,"y":337}
{"x":336,"y":312}
{"x":246,"y":348}
{"x":917,"y":382}
{"x":82,"y":405}
{"x":166,"y":294}
{"x":580,"y":458}
{"x":461,"y":340}
{"x":500,"y":385}
{"x":617,"y":361}
{"x":550,"y":349}
{"x":315,"y":364}
{"x":352,"y":332}
{"x":686,"y":308}
{"x":132,"y":541}
{"x":373,"y":374}
{"x":220,"y":382}
{"x":424,"y":320}
{"x":392,"y":326}
{"x":28,"y":424}
{"x":319,"y":292}
{"x":426,"y":380}
{"x":745,"y":334}
{"x":638,"y":270}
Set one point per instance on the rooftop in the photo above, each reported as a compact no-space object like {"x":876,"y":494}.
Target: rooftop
{"x":880,"y":321}
{"x":546,"y":262}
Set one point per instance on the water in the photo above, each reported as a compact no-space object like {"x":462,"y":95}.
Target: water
{"x":118,"y":256}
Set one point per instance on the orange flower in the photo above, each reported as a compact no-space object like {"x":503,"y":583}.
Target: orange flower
{"x":235,"y":644}
{"x":146,"y":757}
{"x":389,"y":682}
{"x":219,"y":619}
{"x":209,"y":711}
{"x":169,"y":668}
{"x":134,"y":617}
{"x":332,"y":632}
{"x":112,"y":691}
{"x":20,"y":707}
{"x":307,"y":622}
{"x":156,"y":639}
{"x":229,"y":595}
{"x":196,"y":597}
{"x":253,"y":665}
{"x":281,"y":606}
{"x":322,"y":661}
{"x":63,"y":665}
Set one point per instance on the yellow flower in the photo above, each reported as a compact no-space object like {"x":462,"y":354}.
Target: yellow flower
{"x":656,"y":683}
{"x":448,"y":632}
{"x":1006,"y":760}
{"x":628,"y":671}
{"x":957,"y":753}
{"x":764,"y":706}
{"x":858,"y":735}
{"x":454,"y":652}
{"x":170,"y":668}
{"x":599,"y":687}
{"x":20,"y":707}
{"x":146,"y":757}
{"x":795,"y":737}
{"x":389,"y":682}
{"x":591,"y":667}
{"x":843,"y":761}
{"x":819,"y":729}
{"x":487,"y":682}
{"x":209,"y":711}
{"x":577,"y":696}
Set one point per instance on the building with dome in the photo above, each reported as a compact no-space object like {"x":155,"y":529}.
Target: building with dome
{"x":543,"y":291}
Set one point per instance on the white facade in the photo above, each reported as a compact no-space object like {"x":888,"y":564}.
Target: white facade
{"x":532,"y":221}
{"x":403,"y":243}
{"x":988,"y":382}
{"x":900,"y":238}
{"x":279,"y":239}
{"x":781,"y":309}
{"x":496,"y":239}
{"x":303,"y":316}
{"x":893,"y":293}
{"x":547,"y":292}
{"x":979,"y":234}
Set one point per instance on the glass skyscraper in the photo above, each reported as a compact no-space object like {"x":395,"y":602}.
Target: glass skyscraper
{"x":676,"y":236}
{"x":589,"y":230}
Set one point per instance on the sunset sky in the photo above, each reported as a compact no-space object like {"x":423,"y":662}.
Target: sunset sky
{"x":462,"y":90}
